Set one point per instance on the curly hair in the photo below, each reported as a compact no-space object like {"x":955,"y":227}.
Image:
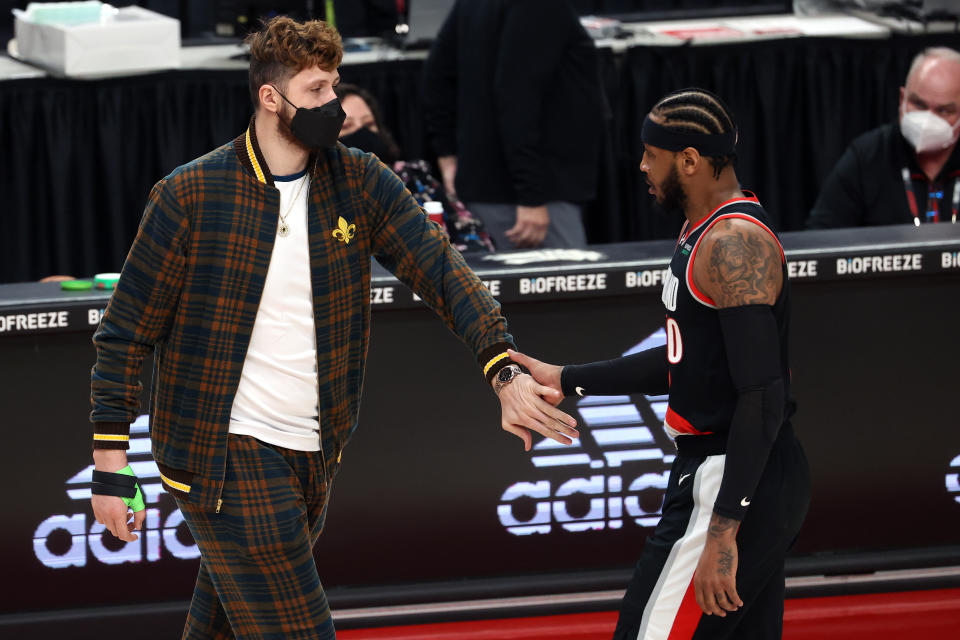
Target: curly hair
{"x":283,"y":47}
{"x":698,"y":111}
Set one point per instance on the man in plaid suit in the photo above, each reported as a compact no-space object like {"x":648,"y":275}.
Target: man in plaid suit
{"x":249,"y":280}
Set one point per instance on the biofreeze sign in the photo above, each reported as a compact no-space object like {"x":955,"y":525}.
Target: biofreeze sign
{"x":34,"y":321}
{"x":573,"y":282}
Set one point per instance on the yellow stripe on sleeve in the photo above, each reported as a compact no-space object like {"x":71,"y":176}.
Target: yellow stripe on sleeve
{"x":110,"y":437}
{"x":179,"y":486}
{"x":494,"y":360}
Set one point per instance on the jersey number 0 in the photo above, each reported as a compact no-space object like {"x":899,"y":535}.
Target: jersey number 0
{"x":674,"y":342}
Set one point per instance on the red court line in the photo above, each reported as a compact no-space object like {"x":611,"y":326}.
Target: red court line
{"x":584,"y":626}
{"x":932,"y":614}
{"x":913,"y":615}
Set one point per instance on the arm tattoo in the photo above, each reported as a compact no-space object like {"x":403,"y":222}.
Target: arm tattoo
{"x":725,"y":564}
{"x":720,"y":526}
{"x":743,"y":267}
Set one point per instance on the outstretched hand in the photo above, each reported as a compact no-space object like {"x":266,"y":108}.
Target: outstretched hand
{"x":524,"y":407}
{"x":543,"y":372}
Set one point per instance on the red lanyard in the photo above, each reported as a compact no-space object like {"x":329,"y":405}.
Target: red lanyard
{"x":956,"y":198}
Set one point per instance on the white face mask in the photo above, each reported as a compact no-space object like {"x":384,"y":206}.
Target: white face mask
{"x":927,"y":131}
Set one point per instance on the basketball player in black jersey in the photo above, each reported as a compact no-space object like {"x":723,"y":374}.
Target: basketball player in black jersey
{"x":739,"y":486}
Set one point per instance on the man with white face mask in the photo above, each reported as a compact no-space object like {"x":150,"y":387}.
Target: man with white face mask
{"x":906,"y":171}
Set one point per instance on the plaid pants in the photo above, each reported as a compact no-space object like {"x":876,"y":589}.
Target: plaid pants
{"x":258,"y":578}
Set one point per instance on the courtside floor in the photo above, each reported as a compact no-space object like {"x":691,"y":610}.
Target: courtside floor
{"x":912,"y":615}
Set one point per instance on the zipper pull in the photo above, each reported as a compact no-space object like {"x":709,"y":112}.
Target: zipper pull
{"x":219,"y":504}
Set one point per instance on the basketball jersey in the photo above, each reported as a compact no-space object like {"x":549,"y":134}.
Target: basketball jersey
{"x":702,"y":394}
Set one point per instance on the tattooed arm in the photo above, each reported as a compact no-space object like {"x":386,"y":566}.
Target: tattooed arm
{"x":715,"y":580}
{"x":739,"y":263}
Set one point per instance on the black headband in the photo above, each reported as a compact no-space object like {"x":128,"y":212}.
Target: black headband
{"x":708,"y":144}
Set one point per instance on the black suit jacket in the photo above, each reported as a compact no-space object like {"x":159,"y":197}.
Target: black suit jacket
{"x":512,"y":88}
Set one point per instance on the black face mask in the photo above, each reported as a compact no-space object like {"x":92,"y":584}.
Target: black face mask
{"x":370,"y":141}
{"x":318,"y":127}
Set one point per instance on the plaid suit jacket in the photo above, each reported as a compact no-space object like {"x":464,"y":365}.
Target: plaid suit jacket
{"x":191,"y":286}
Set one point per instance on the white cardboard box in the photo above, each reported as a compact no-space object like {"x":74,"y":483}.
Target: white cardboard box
{"x":135,"y":40}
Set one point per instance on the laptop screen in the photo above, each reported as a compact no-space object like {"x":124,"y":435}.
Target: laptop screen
{"x":425,"y":18}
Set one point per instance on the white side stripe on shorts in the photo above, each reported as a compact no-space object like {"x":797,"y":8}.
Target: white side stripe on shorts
{"x":664,"y":602}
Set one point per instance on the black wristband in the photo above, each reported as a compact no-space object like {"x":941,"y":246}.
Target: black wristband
{"x":103,"y":489}
{"x":116,"y":479}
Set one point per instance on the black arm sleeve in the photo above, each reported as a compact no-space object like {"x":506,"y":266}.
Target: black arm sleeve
{"x":752,"y":342}
{"x":644,"y":372}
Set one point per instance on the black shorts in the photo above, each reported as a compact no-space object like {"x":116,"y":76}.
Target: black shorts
{"x":660,"y":604}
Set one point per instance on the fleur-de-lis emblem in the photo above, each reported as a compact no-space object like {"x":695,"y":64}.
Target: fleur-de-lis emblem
{"x":344,"y":232}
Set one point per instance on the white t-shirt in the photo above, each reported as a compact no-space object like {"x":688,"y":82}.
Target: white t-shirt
{"x":276,"y":401}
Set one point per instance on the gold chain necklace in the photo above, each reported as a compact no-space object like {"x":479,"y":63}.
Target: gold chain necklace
{"x":283,"y":229}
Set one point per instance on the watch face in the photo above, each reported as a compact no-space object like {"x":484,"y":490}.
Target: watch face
{"x":506,"y":374}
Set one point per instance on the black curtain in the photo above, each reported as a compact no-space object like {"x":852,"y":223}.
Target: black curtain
{"x":82,"y":157}
{"x":79,"y":157}
{"x":798,"y":102}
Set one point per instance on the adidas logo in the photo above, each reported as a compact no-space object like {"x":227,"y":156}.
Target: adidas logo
{"x":615,"y":475}
{"x":63,"y":541}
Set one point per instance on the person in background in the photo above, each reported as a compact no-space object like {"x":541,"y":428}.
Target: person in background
{"x":905,"y":172}
{"x":363,"y":129}
{"x":514,"y":110}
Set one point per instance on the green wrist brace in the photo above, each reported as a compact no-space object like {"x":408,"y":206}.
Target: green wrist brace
{"x":136,"y":502}
{"x":122,"y":484}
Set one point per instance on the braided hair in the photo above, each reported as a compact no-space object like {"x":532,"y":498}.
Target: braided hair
{"x":697,"y":111}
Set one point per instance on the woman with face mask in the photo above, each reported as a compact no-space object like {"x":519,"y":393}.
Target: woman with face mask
{"x":363,"y":129}
{"x":906,"y":171}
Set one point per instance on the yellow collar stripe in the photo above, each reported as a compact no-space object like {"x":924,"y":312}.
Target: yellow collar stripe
{"x":253,"y":161}
{"x":494,"y":360}
{"x":179,"y":486}
{"x":110,"y":437}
